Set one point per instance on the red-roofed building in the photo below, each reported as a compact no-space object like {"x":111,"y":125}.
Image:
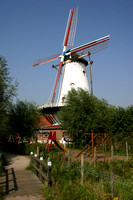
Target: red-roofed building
{"x":45,"y":126}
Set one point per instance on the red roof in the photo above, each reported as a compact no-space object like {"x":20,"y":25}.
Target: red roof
{"x":46,"y":125}
{"x":51,"y":127}
{"x":43,"y":122}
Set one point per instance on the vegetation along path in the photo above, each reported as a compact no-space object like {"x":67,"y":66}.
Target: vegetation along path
{"x":18,"y":183}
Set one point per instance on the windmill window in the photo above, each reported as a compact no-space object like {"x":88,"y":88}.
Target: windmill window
{"x":63,"y":98}
{"x":46,"y":134}
{"x":84,"y":72}
{"x":71,"y":84}
{"x":66,"y":134}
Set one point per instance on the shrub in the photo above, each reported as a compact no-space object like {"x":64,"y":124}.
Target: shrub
{"x":122,"y":168}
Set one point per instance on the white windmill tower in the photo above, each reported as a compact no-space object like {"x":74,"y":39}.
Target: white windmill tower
{"x":73,"y":62}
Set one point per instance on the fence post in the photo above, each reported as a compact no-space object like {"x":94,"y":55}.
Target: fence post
{"x":95,"y":157}
{"x":31,"y":157}
{"x":105,"y":147}
{"x":49,"y":173}
{"x":82,"y":169}
{"x":92,"y":145}
{"x":112,"y":152}
{"x":69,"y":155}
{"x":127,"y":150}
{"x":112,"y":185}
{"x":38,"y":151}
{"x":35,"y":163}
{"x":41,"y":169}
{"x":0,"y":159}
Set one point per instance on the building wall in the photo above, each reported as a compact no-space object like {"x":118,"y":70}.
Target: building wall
{"x":43,"y":135}
{"x":44,"y":128}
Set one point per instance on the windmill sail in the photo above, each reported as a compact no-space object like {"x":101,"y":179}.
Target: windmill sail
{"x":45,"y":60}
{"x":74,"y":14}
{"x":91,"y":47}
{"x":71,"y":28}
{"x":70,"y":25}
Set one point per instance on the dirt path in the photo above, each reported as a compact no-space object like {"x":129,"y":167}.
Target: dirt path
{"x":100,"y":157}
{"x":18,"y":183}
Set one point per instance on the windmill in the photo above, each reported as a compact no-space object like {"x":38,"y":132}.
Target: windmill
{"x":72,"y":61}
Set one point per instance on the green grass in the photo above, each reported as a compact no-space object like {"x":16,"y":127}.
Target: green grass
{"x":66,"y":179}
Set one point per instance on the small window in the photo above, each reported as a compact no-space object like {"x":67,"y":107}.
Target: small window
{"x":66,"y":134}
{"x":71,"y":84}
{"x":45,"y":135}
{"x":63,"y":98}
{"x":84,"y":72}
{"x":38,"y":135}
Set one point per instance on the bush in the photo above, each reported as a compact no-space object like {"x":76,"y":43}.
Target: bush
{"x":119,"y":143}
{"x":122,"y":168}
{"x":33,"y":148}
{"x":24,"y":148}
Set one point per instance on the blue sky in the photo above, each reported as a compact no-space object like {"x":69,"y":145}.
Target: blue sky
{"x":31,"y":29}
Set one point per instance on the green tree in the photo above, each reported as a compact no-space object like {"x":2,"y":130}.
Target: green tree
{"x":121,"y":124}
{"x":119,"y":121}
{"x":7,"y":92}
{"x":122,"y":121}
{"x":84,"y":113}
{"x":23,"y":118}
{"x":129,"y":119}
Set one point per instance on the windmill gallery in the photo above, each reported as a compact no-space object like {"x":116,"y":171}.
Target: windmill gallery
{"x":72,"y":72}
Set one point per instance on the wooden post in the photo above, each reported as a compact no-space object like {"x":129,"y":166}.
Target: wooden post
{"x":49,"y":177}
{"x":69,"y":155}
{"x":90,"y":65}
{"x":112,"y":185}
{"x":49,"y":173}
{"x":112,"y":152}
{"x":105,"y":147}
{"x":94,"y":157}
{"x":41,"y":169}
{"x":35,"y":163}
{"x":31,"y":158}
{"x":127,"y":150}
{"x":38,"y":151}
{"x":85,"y":145}
{"x":82,"y":169}
{"x":92,"y":145}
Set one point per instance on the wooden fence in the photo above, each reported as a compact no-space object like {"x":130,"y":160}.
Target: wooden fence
{"x":40,"y":168}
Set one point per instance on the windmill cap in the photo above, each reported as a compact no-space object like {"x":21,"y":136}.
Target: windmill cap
{"x":75,"y":58}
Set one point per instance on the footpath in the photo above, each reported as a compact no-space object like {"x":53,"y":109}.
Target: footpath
{"x":18,"y":183}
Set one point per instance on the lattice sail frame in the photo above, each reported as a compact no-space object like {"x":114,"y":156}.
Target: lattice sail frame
{"x":92,"y":47}
{"x":72,"y":32}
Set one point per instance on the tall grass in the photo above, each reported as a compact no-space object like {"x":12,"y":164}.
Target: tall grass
{"x":66,"y":179}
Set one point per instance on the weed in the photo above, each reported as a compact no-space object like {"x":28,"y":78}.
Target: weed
{"x":66,"y":179}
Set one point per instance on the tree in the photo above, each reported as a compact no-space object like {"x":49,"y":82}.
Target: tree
{"x":7,"y":92}
{"x":122,"y":122}
{"x":23,"y":118}
{"x":84,"y":113}
{"x":129,"y":119}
